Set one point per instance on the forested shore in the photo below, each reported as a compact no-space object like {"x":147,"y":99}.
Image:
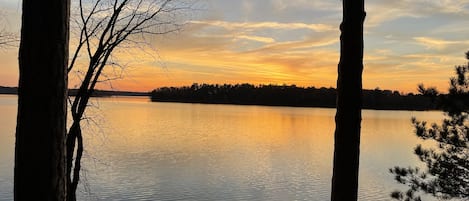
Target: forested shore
{"x":287,"y":95}
{"x":271,"y":95}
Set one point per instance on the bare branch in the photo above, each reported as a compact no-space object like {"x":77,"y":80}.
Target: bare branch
{"x":7,"y":38}
{"x":105,"y":25}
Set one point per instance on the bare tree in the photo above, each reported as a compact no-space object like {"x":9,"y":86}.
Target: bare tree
{"x":7,"y":38}
{"x":42,"y":102}
{"x":349,"y":103}
{"x":106,"y":25}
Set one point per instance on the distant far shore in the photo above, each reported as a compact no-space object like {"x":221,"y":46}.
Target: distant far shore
{"x":72,"y":92}
{"x":268,"y":95}
{"x":287,"y":95}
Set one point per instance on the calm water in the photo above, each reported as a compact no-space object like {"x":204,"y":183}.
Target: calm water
{"x":138,"y":150}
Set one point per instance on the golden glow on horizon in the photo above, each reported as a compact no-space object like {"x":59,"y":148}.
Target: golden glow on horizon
{"x":274,"y":42}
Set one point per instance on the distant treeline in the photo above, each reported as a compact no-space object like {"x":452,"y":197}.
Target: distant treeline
{"x":8,"y":90}
{"x":103,"y":93}
{"x":72,"y":92}
{"x":286,"y":95}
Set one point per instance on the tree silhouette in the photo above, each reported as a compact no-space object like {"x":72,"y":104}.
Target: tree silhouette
{"x":349,"y":103}
{"x":39,"y":172}
{"x":447,"y":165}
{"x":286,"y":95}
{"x":104,"y":26}
{"x":7,"y":38}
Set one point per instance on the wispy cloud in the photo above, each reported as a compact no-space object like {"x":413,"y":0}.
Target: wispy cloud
{"x":434,"y":43}
{"x":267,"y":25}
{"x":257,"y":38}
{"x":383,"y":10}
{"x":297,"y":42}
{"x":291,"y":46}
{"x":311,"y":4}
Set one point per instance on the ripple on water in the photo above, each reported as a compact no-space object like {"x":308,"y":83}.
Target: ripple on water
{"x":168,"y":152}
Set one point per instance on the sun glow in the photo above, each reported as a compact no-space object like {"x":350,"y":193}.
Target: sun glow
{"x":273,"y":42}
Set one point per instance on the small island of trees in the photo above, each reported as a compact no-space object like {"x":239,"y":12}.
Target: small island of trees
{"x":286,"y":95}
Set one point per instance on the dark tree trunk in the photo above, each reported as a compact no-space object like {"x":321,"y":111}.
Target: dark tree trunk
{"x":349,"y":102}
{"x":74,"y":135}
{"x":40,"y":165}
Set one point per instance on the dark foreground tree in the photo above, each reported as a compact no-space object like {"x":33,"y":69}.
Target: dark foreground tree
{"x":349,"y":103}
{"x":447,"y":164}
{"x":39,"y":172}
{"x":104,"y":27}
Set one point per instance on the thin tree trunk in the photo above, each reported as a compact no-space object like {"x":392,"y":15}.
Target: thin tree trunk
{"x":74,"y":135}
{"x":74,"y":142}
{"x":40,"y":165}
{"x":349,"y":102}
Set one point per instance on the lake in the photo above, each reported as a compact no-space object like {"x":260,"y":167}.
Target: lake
{"x":141,"y":150}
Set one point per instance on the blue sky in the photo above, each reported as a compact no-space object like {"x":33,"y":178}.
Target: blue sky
{"x":407,"y":42}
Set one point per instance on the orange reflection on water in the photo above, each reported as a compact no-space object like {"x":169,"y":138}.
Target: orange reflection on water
{"x":143,"y":150}
{"x":196,"y":127}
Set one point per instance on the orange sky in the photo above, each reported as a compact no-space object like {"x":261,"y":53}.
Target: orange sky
{"x":287,"y":42}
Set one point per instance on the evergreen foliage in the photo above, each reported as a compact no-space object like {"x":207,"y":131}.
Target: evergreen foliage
{"x":447,"y":165}
{"x":286,"y":95}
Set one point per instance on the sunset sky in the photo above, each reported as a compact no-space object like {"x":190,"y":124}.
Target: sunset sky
{"x":407,"y":42}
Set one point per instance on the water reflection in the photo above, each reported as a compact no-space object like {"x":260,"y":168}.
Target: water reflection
{"x":171,"y":151}
{"x":219,"y":152}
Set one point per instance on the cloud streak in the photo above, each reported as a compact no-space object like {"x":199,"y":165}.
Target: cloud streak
{"x":434,"y":43}
{"x":266,"y":25}
{"x":297,"y":42}
{"x":383,"y":11}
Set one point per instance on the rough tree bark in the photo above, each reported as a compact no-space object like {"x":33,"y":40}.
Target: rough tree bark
{"x":349,"y":102}
{"x":39,"y":172}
